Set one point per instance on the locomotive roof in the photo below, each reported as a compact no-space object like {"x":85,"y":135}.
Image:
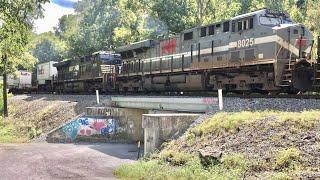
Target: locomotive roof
{"x":249,"y":14}
{"x":149,"y":42}
{"x":260,"y":11}
{"x":104,"y":52}
{"x":136,"y":45}
{"x":65,"y":62}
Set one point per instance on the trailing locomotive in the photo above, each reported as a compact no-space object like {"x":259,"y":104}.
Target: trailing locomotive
{"x":259,"y":51}
{"x":87,"y":73}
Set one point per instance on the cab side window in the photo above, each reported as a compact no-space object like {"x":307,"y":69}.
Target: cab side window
{"x":211,"y":30}
{"x":188,"y":36}
{"x":203,"y":32}
{"x":242,"y":24}
{"x":226,"y":27}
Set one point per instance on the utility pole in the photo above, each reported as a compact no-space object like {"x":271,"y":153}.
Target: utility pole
{"x":318,"y":50}
{"x":5,"y":98}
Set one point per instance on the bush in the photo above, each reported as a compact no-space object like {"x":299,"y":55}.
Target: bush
{"x":235,"y":162}
{"x":288,"y":159}
{"x":175,"y":158}
{"x":143,"y":170}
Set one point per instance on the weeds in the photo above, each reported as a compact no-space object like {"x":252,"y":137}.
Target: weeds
{"x":175,"y":158}
{"x":288,"y":159}
{"x":157,"y":169}
{"x":235,"y":162}
{"x":21,"y":130}
{"x":190,"y":138}
{"x":8,"y":133}
{"x":279,"y":176}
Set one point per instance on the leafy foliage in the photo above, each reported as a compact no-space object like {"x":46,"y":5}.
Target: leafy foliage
{"x":47,"y":47}
{"x":103,"y":25}
{"x":16,"y":23}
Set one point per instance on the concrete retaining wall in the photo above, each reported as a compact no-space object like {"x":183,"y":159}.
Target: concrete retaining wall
{"x":101,"y":124}
{"x":159,"y":128}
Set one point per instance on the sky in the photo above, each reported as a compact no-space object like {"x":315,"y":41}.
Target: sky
{"x":52,"y":12}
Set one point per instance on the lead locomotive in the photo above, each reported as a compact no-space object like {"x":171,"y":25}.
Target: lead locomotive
{"x":262,"y":51}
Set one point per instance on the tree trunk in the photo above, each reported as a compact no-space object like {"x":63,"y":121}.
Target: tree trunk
{"x":5,"y":100}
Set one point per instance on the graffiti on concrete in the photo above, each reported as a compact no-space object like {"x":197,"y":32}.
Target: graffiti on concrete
{"x":88,"y":126}
{"x":71,"y":129}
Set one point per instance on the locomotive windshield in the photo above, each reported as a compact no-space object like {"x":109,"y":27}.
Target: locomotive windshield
{"x":270,"y":21}
{"x":274,"y":19}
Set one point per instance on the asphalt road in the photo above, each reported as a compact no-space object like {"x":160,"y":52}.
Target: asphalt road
{"x":63,"y":161}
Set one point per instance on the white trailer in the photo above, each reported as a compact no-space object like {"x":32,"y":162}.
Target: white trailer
{"x":20,"y":80}
{"x":45,"y":72}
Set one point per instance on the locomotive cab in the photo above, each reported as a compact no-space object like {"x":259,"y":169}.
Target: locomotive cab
{"x":293,"y":51}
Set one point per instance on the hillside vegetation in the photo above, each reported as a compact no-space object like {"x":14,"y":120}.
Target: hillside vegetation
{"x":243,"y":145}
{"x":31,"y":116}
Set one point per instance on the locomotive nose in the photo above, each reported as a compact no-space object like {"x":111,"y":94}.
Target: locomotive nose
{"x":303,"y":73}
{"x":302,"y":41}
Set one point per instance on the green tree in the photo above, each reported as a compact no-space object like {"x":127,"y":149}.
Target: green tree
{"x":136,"y":22}
{"x":98,"y":19}
{"x":176,"y":14}
{"x":48,"y":47}
{"x":16,"y":23}
{"x":67,"y":26}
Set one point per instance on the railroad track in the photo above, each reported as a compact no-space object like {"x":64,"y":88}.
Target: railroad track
{"x":197,"y":94}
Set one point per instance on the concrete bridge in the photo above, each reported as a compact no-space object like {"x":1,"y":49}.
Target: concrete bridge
{"x":151,"y":120}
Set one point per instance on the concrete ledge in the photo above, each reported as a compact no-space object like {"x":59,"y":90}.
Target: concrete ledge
{"x":98,"y":111}
{"x":185,"y":104}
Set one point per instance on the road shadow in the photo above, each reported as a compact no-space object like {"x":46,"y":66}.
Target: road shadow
{"x":121,"y":151}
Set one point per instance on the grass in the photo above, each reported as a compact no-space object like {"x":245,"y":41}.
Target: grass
{"x":158,"y":169}
{"x":8,"y":134}
{"x":224,"y":122}
{"x":229,"y":122}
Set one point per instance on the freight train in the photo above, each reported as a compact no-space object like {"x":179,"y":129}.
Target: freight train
{"x":261,"y":51}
